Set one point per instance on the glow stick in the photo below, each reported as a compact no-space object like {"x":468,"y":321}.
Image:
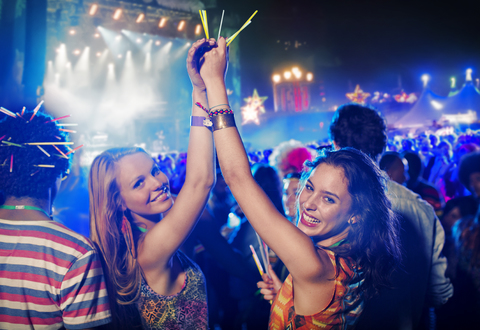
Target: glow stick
{"x":36,"y":110}
{"x":257,"y":262}
{"x":205,"y":28}
{"x":44,"y":165}
{"x":262,"y":251}
{"x":58,"y":118}
{"x":265,"y":248}
{"x":48,"y":143}
{"x":220,"y":28}
{"x":23,"y":110}
{"x":67,"y":130}
{"x":60,"y":151}
{"x":19,"y":115}
{"x":8,"y":112}
{"x":206,"y":22}
{"x":237,"y":33}
{"x":64,"y":125}
{"x":1,"y":138}
{"x":11,"y":163}
{"x":34,"y":172}
{"x":74,"y":150}
{"x":13,"y":144}
{"x":43,"y":150}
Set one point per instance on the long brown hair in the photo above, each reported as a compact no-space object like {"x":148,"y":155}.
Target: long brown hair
{"x":123,"y":271}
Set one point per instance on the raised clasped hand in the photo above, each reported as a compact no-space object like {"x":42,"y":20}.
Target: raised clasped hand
{"x":195,"y":59}
{"x":214,"y":66}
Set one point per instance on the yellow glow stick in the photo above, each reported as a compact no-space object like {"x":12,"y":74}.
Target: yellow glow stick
{"x":229,"y":40}
{"x":204,"y":21}
{"x":257,"y":262}
{"x":44,"y":165}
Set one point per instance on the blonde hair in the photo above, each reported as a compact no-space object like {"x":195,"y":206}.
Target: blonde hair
{"x":123,"y":271}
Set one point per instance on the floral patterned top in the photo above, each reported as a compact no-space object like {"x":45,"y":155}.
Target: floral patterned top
{"x":182,"y":311}
{"x":342,"y":312}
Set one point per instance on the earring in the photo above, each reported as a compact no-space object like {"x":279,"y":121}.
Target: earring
{"x":128,"y":236}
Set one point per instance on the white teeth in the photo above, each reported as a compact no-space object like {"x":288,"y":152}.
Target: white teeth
{"x":310,"y":219}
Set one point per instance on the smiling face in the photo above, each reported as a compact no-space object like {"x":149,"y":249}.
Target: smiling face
{"x":143,"y":187}
{"x":326,"y":205}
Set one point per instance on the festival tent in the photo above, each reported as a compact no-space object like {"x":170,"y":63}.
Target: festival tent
{"x":468,"y":98}
{"x":426,"y":110}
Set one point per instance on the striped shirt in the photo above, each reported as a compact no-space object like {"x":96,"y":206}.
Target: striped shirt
{"x":50,"y":278}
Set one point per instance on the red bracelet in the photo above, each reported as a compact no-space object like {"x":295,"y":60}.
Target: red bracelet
{"x":198,"y":104}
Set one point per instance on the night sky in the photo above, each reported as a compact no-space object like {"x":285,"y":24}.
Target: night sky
{"x":377,"y":44}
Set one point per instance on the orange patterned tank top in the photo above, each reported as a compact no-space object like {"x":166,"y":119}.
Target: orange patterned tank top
{"x":341,"y":313}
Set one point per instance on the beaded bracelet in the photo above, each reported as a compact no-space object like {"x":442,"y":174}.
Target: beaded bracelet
{"x":227,"y":111}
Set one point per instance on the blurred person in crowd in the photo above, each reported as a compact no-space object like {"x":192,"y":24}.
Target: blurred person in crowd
{"x":344,"y":213}
{"x":289,"y":157}
{"x":417,"y":184}
{"x":291,"y":185}
{"x":392,"y":163}
{"x":449,"y":184}
{"x":139,"y":229}
{"x":51,"y":277}
{"x":421,"y":283}
{"x":466,"y":265}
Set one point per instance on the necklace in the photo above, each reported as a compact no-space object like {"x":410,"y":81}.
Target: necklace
{"x":23,"y":207}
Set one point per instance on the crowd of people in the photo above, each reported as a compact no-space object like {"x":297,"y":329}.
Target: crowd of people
{"x":368,"y":231}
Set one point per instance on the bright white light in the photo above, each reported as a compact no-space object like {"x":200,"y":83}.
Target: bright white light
{"x":436,"y":105}
{"x":198,"y":29}
{"x":119,"y":55}
{"x":157,"y":43}
{"x":119,"y":37}
{"x":295,"y":69}
{"x":139,"y":40}
{"x":469,"y":75}
{"x":72,"y":32}
{"x":140,"y":18}
{"x":76,"y":52}
{"x":425,"y":79}
{"x":309,"y":76}
{"x":93,"y":9}
{"x":96,"y":35}
{"x":181,"y":25}
{"x":99,"y":54}
{"x":276,"y":78}
{"x":453,"y":82}
{"x":287,"y":75}
{"x":117,"y":14}
{"x":297,"y":74}
{"x":162,"y":22}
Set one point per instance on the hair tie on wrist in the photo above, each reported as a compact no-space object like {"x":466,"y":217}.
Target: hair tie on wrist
{"x":220,"y":105}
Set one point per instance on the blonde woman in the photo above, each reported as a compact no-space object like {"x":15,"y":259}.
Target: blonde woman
{"x":129,"y":197}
